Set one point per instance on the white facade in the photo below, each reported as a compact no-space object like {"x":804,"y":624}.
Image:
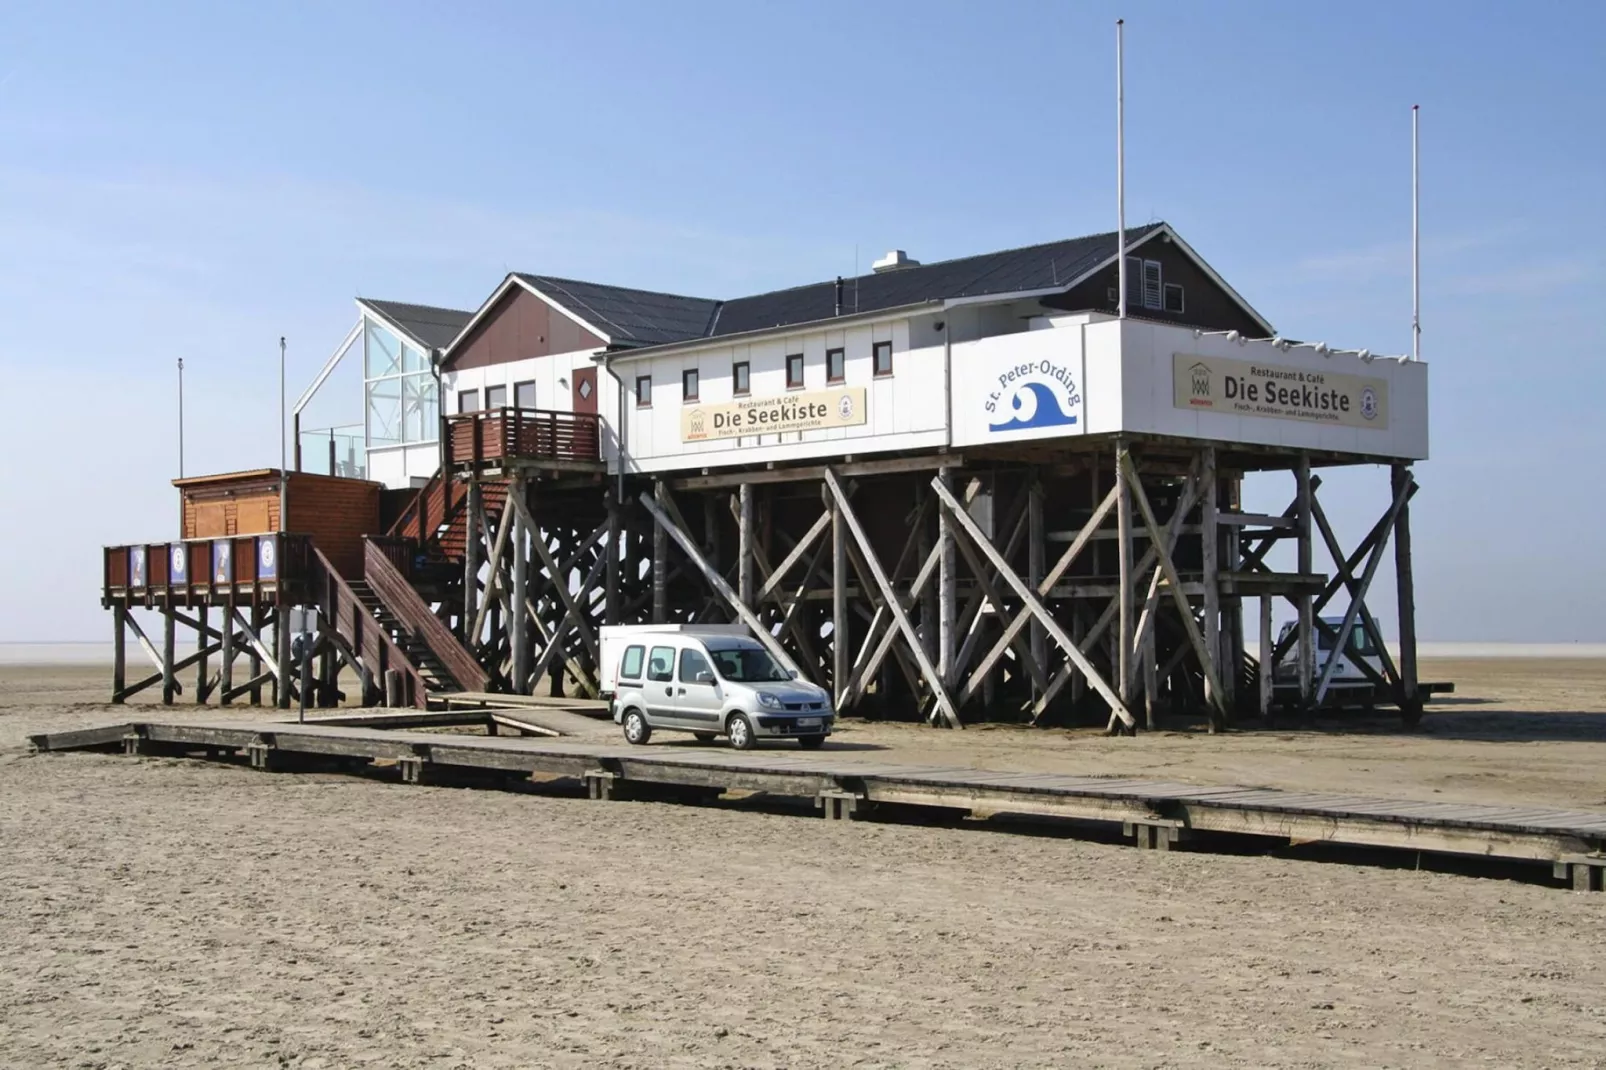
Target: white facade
{"x":1042,"y":378}
{"x":905,"y":410}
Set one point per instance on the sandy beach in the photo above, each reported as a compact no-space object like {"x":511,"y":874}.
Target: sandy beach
{"x":161,"y":912}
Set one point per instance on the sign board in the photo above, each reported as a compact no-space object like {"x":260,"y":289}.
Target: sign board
{"x":1248,"y":388}
{"x":267,"y":558}
{"x":1019,"y":387}
{"x":178,"y":560}
{"x":136,"y":566}
{"x":222,"y":561}
{"x":813,"y":410}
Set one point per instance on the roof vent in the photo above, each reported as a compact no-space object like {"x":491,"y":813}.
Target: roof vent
{"x":895,"y":260}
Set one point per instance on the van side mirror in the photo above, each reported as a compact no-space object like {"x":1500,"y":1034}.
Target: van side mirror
{"x":793,"y":673}
{"x":702,"y":676}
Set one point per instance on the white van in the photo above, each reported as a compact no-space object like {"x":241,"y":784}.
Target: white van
{"x":1360,"y":650}
{"x":711,"y":682}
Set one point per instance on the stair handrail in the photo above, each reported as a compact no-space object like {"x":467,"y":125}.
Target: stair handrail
{"x":366,"y":637}
{"x":421,"y":622}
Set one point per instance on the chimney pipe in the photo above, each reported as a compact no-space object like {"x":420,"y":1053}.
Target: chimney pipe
{"x":838,"y":295}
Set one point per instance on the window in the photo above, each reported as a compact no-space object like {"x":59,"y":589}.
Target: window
{"x":794,"y":370}
{"x":661,"y":666}
{"x":741,"y":381}
{"x":694,"y":668}
{"x":643,"y":391}
{"x":1153,"y":291}
{"x":835,"y":365}
{"x":688,"y":385}
{"x":524,"y":395}
{"x":630,"y":664}
{"x":881,"y":358}
{"x":468,"y":401}
{"x":401,"y":396}
{"x":1173,"y":298}
{"x":496,"y":397}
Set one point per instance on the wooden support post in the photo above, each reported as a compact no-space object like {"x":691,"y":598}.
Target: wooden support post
{"x":256,"y":654}
{"x":1410,"y":700}
{"x":660,"y":562}
{"x":519,"y":610}
{"x":889,"y":597}
{"x":1307,"y":615}
{"x":471,"y":563}
{"x":1268,"y":670}
{"x":660,"y":511}
{"x":1036,"y":563}
{"x":1029,"y":597}
{"x":226,"y":671}
{"x":1358,"y":598}
{"x":744,"y":544}
{"x":202,"y":649}
{"x":169,"y":683}
{"x":281,"y":654}
{"x":947,"y":588}
{"x":1123,"y":519}
{"x":119,"y":652}
{"x":1233,"y":606}
{"x":841,"y":645}
{"x":1159,"y":541}
{"x":1209,"y":534}
{"x":611,"y":594}
{"x":394,"y":698}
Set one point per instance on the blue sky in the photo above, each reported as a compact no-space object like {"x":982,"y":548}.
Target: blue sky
{"x":196,"y":180}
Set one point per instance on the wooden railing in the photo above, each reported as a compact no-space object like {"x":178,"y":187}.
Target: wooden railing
{"x":390,"y":584}
{"x":494,"y":436}
{"x":362,"y":633}
{"x":276,"y":563}
{"x":435,"y":505}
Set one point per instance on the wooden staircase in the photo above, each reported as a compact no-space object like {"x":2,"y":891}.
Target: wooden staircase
{"x":433,"y":674}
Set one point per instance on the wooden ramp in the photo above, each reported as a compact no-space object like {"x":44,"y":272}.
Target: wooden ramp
{"x":1156,"y":813}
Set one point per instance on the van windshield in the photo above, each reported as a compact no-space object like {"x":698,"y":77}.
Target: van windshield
{"x":748,"y":665}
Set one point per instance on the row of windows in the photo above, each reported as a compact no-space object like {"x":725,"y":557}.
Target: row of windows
{"x":496,"y":397}
{"x":836,"y":362}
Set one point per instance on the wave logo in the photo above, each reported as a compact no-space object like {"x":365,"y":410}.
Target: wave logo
{"x":1036,"y":395}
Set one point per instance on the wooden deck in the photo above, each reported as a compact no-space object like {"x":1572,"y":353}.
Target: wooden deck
{"x":1155,"y":813}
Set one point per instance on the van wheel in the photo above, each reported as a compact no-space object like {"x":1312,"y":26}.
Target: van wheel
{"x":637,"y":730}
{"x":740,"y":731}
{"x":811,"y":742}
{"x":705,"y":737}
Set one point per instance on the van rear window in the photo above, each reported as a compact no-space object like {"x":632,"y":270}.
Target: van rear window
{"x":630,"y":664}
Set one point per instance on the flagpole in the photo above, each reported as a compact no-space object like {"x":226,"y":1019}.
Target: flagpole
{"x":1416,"y":240}
{"x":1120,"y":168}
{"x":181,"y":417}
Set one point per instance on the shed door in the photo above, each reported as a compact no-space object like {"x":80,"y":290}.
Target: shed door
{"x":585,"y":390}
{"x":211,"y":520}
{"x":253,"y":517}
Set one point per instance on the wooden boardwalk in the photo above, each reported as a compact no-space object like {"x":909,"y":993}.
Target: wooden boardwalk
{"x":1155,"y":813}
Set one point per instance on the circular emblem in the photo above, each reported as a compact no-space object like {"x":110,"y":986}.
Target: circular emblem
{"x":844,"y":407}
{"x":1368,"y":403}
{"x":266,"y":553}
{"x":177,"y":557}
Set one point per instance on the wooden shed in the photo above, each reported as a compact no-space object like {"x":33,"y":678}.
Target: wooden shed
{"x":336,"y":512}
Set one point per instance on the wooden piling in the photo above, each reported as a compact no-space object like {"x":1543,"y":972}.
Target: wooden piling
{"x":1307,"y":616}
{"x":203,"y":617}
{"x":168,"y":680}
{"x":1410,"y":700}
{"x":119,"y":652}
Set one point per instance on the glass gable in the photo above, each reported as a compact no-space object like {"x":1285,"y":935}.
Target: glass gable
{"x":402,"y":395}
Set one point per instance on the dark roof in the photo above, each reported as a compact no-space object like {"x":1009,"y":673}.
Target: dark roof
{"x":630,"y":317}
{"x":1036,"y":267}
{"x":430,"y":327}
{"x":637,"y":318}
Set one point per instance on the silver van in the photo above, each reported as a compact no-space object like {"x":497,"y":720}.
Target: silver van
{"x":712,"y":685}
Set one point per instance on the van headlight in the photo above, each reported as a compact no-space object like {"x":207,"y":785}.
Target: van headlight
{"x":769,"y":701}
